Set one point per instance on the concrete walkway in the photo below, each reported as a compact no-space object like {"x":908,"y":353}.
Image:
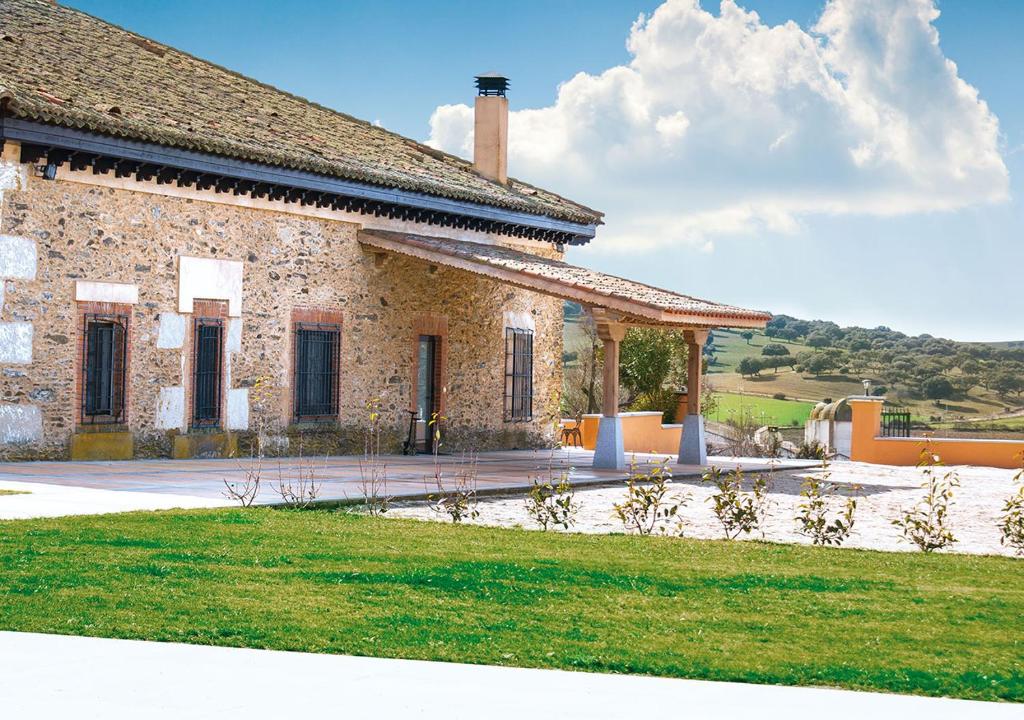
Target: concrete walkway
{"x":67,"y":488}
{"x":53,"y":676}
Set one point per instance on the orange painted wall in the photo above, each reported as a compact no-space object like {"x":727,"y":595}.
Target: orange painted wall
{"x":641,"y":433}
{"x":867,"y":447}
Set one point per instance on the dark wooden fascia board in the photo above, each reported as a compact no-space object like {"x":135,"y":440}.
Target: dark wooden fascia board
{"x":26,"y":131}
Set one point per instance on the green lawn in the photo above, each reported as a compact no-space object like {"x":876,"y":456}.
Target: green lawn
{"x":333,"y":582}
{"x":764,"y":410}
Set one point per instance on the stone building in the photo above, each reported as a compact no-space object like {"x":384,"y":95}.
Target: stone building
{"x":187,"y":254}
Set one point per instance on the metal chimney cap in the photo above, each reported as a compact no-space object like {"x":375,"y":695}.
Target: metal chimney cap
{"x":491,"y":83}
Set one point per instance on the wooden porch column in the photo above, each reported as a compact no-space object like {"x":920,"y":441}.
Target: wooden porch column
{"x":609,"y":451}
{"x":692,"y":444}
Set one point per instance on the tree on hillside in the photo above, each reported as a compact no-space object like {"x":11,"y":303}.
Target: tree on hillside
{"x":774,"y":349}
{"x":747,"y":335}
{"x":818,"y":340}
{"x":750,"y":366}
{"x":937,"y":388}
{"x":1007,"y":382}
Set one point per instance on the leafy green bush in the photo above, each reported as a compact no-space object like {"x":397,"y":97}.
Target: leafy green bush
{"x":551,"y":504}
{"x":648,"y":505}
{"x":812,"y":519}
{"x":927,"y":523}
{"x":736,"y":510}
{"x":1011,"y":524}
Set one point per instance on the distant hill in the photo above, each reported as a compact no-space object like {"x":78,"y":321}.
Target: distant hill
{"x":942,"y":381}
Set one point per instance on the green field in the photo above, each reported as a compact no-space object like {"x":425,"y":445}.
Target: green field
{"x":764,"y":411}
{"x":334,"y":582}
{"x":730,"y":348}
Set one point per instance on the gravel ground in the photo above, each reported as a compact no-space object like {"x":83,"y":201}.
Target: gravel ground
{"x":884,"y":490}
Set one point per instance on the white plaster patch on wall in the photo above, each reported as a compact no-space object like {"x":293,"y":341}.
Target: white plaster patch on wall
{"x":15,"y":343}
{"x":519,"y":320}
{"x":13,"y":176}
{"x":238,"y":409}
{"x":123,"y":293}
{"x":17,"y":258}
{"x":209,"y":279}
{"x":234,"y":340}
{"x":171,"y":334}
{"x":20,"y":424}
{"x":170,"y":412}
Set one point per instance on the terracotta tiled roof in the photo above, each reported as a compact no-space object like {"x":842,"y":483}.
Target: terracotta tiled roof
{"x":568,"y":281}
{"x":61,"y":66}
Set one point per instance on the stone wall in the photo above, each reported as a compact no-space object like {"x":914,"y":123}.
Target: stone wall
{"x":89,"y":233}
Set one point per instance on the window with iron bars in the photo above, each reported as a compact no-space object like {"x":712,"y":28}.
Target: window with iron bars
{"x":207,"y":374}
{"x":317,"y":349}
{"x":518,"y":375}
{"x":104,"y":353}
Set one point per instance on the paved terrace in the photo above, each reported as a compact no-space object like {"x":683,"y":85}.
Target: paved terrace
{"x":69,"y":488}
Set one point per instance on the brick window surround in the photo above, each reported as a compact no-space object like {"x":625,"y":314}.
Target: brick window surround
{"x":430,"y":324}
{"x":115,"y":312}
{"x":315,"y":318}
{"x":206,"y":310}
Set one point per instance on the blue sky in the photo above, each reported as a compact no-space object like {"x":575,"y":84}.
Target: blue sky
{"x":954,"y":269}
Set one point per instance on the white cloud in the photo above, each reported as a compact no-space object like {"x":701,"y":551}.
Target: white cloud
{"x":722,"y":125}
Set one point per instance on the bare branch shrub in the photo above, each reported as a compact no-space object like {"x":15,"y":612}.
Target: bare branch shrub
{"x":245,"y":492}
{"x":738,"y":511}
{"x":301,"y":490}
{"x":455,"y":498}
{"x":649,"y":506}
{"x":927,"y":523}
{"x":812,"y":518}
{"x":373,"y":468}
{"x":1011,"y":524}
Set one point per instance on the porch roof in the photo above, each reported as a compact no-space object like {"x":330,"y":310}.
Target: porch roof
{"x":636,"y":302}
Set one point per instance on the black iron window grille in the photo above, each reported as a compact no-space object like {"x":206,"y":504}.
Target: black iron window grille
{"x":207,"y":373}
{"x":518,"y":375}
{"x":895,"y":422}
{"x":317,"y":359}
{"x":104,"y":355}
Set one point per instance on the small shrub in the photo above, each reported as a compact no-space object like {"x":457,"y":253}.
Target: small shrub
{"x":927,"y":523}
{"x":457,"y":498}
{"x":1011,"y":524}
{"x":245,"y":492}
{"x":648,"y":505}
{"x":738,"y":511}
{"x":373,"y":469}
{"x":812,"y":518}
{"x":779,"y":396}
{"x":551,"y":504}
{"x":811,"y":451}
{"x":303,"y":489}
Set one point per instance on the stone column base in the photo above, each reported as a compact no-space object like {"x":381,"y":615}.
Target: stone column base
{"x":693,"y":448}
{"x":608,"y":451}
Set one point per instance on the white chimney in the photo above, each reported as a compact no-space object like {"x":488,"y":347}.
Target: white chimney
{"x":490,"y":128}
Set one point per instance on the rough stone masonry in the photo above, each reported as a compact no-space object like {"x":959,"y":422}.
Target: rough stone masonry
{"x":65,"y":243}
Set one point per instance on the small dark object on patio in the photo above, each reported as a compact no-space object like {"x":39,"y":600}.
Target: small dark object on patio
{"x":409,"y":446}
{"x":573,"y":435}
